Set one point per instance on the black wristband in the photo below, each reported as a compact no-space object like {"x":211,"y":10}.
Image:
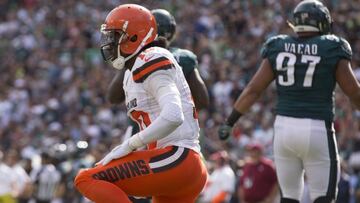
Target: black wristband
{"x":234,"y":116}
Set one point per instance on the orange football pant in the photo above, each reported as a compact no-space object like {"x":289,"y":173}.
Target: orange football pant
{"x":172,"y":174}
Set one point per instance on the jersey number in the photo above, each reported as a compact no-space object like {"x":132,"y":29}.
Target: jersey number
{"x":290,"y":68}
{"x":143,"y":118}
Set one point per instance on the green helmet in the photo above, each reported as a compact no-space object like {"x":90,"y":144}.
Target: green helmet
{"x":166,"y":24}
{"x":312,"y":16}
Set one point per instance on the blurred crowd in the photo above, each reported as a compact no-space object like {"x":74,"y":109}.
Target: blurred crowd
{"x":54,"y":115}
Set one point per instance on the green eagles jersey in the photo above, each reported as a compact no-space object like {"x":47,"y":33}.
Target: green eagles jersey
{"x":305,"y":73}
{"x":186,"y":59}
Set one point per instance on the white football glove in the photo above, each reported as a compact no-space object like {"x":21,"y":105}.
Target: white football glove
{"x":118,"y":152}
{"x":129,"y":144}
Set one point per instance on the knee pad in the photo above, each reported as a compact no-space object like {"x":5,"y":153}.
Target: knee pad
{"x":287,"y":200}
{"x":323,"y":199}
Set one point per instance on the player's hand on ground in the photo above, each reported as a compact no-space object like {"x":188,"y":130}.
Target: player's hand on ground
{"x":224,"y":131}
{"x":118,"y":152}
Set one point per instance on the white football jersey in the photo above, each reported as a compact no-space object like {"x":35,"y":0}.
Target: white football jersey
{"x":143,"y":107}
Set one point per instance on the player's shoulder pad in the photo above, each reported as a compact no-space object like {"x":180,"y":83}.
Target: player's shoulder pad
{"x":345,"y":46}
{"x":149,"y":61}
{"x":270,"y":42}
{"x":186,"y":59}
{"x":187,"y":53}
{"x":184,"y":54}
{"x":275,"y":39}
{"x":342,"y":45}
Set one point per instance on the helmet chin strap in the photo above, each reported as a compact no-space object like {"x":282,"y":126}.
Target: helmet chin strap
{"x":120,"y":61}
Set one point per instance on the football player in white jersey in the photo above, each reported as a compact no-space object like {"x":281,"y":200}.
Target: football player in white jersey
{"x":159,"y":99}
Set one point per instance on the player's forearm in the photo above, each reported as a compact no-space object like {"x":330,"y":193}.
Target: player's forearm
{"x":159,"y":129}
{"x":198,"y":90}
{"x":246,"y":99}
{"x":116,"y":94}
{"x":170,"y":118}
{"x":243,"y":103}
{"x":262,"y":78}
{"x":201,"y":98}
{"x":348,"y":82}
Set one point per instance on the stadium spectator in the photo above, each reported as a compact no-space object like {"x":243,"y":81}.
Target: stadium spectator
{"x":23,"y":182}
{"x":258,"y":180}
{"x":221,"y":183}
{"x":46,"y":180}
{"x":8,"y":186}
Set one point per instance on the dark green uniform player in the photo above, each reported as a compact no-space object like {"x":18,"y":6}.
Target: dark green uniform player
{"x":186,"y":59}
{"x":305,"y":73}
{"x":306,"y":68}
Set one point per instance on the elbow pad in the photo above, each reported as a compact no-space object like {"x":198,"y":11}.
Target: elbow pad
{"x":170,"y":118}
{"x":172,"y":110}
